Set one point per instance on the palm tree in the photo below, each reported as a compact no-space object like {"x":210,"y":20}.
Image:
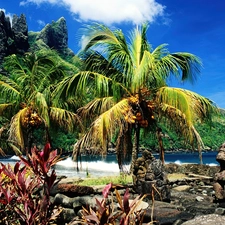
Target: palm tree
{"x":26,"y":96}
{"x":127,"y":91}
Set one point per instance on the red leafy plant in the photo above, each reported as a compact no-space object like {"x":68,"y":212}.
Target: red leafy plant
{"x":25,"y":188}
{"x":107,"y":212}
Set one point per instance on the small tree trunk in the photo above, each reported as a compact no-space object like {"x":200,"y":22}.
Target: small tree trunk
{"x":161,"y":149}
{"x":200,"y":154}
{"x":135,"y":150}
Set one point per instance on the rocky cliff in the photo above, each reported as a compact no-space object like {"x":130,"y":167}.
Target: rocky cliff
{"x":15,"y":38}
{"x":54,"y":35}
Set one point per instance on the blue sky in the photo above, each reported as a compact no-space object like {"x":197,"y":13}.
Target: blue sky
{"x":194,"y":26}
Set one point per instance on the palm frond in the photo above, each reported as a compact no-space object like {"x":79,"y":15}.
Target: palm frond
{"x":189,"y":65}
{"x":176,"y":120}
{"x":9,"y":88}
{"x":97,"y":34}
{"x":96,"y":107}
{"x":65,"y":118}
{"x":4,"y":107}
{"x":103,"y":128}
{"x":176,"y":98}
{"x":39,"y":100}
{"x":15,"y":130}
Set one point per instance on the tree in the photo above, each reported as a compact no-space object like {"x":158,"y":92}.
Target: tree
{"x":126,"y":85}
{"x":26,"y":96}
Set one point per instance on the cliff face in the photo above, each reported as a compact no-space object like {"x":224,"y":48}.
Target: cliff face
{"x":13,"y":39}
{"x":54,"y":35}
{"x":16,"y":39}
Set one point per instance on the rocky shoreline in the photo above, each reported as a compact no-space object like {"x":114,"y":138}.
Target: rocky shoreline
{"x":191,"y":196}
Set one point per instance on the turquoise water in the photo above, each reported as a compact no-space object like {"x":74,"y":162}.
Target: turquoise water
{"x":97,"y":166}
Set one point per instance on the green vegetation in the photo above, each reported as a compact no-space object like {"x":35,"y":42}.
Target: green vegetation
{"x":122,"y":179}
{"x":212,"y":136}
{"x":127,"y":92}
{"x":27,"y":98}
{"x":114,"y":91}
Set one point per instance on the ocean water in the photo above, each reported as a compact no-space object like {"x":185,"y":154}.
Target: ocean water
{"x":97,"y":166}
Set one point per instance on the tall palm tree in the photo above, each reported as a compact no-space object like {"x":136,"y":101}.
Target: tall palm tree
{"x":126,"y":85}
{"x":26,"y":96}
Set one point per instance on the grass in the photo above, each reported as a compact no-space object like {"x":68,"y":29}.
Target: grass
{"x":122,"y":179}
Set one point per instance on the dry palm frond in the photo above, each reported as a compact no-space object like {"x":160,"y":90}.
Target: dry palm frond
{"x":177,"y":120}
{"x":2,"y":152}
{"x":41,"y":105}
{"x":103,"y":128}
{"x":96,"y":106}
{"x":15,"y":130}
{"x":4,"y":106}
{"x":15,"y":149}
{"x":1,"y":130}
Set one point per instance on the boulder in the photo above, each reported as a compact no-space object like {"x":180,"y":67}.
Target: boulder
{"x":219,"y":177}
{"x":166,"y":213}
{"x":72,"y":190}
{"x":207,"y":220}
{"x":76,"y":203}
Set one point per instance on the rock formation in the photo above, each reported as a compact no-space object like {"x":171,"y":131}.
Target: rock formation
{"x":150,"y":177}
{"x":13,"y":39}
{"x":219,"y":178}
{"x":54,"y":35}
{"x":20,"y":34}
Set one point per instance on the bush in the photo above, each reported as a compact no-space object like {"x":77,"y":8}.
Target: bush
{"x":25,"y":188}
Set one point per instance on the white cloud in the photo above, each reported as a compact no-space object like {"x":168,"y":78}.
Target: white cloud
{"x":109,"y":11}
{"x":41,"y":23}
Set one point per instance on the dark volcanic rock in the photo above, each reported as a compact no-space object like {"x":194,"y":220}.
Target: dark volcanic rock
{"x":5,"y":34}
{"x":207,"y":220}
{"x":20,"y":33}
{"x":219,"y":185}
{"x":72,"y":190}
{"x":13,"y":39}
{"x":166,"y":213}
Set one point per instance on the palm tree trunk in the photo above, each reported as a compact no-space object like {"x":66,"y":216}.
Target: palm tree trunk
{"x":161,"y":148}
{"x":135,"y":150}
{"x":30,"y":139}
{"x":124,"y":147}
{"x":199,"y":143}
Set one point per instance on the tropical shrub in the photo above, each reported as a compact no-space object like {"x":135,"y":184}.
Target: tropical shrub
{"x":123,"y":211}
{"x":25,"y":188}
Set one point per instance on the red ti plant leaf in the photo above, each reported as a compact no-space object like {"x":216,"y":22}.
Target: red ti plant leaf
{"x":50,"y":180}
{"x":46,"y":152}
{"x":16,"y":167}
{"x":22,"y":179}
{"x":106,"y":190}
{"x":7,"y":170}
{"x":8,"y":195}
{"x":126,"y":201}
{"x":101,"y":206}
